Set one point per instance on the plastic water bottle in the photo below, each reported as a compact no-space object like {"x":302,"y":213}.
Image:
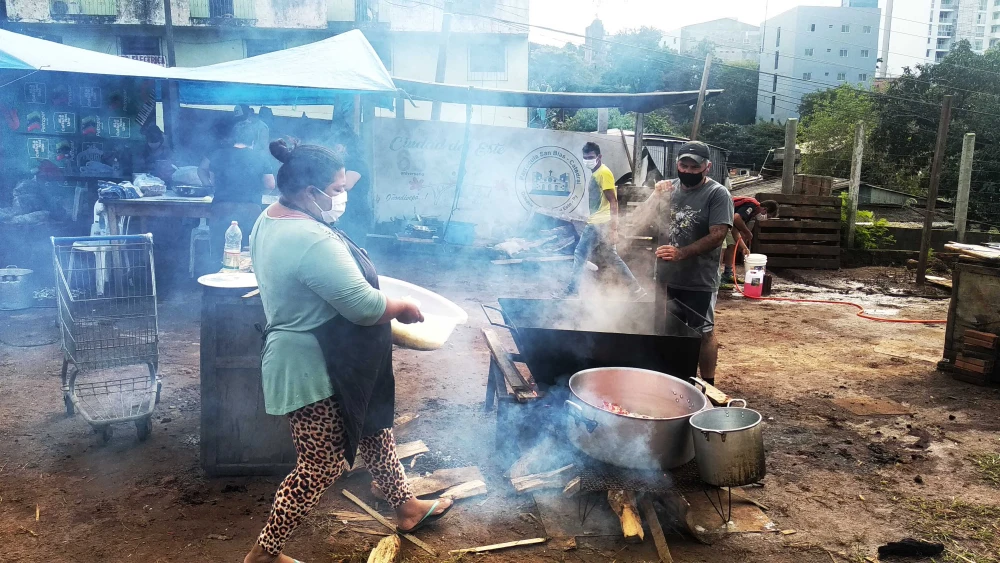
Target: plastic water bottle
{"x":234,"y":244}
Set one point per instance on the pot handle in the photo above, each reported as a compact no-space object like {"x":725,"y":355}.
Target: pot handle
{"x":576,"y":411}
{"x":730,"y":402}
{"x":488,"y":308}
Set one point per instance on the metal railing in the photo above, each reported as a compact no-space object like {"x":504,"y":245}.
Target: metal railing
{"x":211,"y":9}
{"x":64,"y":8}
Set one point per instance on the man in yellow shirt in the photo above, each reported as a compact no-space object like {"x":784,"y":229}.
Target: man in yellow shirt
{"x":602,"y":227}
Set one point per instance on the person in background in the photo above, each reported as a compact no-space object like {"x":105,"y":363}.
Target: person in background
{"x":746,"y":211}
{"x":155,"y":158}
{"x":261,"y":132}
{"x":327,"y":358}
{"x":358,"y":218}
{"x":699,"y":213}
{"x":601,"y":231}
{"x":240,"y":175}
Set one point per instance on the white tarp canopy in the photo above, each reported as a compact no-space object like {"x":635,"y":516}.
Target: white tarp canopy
{"x":22,"y":52}
{"x":304,"y":75}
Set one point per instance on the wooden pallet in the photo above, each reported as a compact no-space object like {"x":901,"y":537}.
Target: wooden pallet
{"x":807,"y":234}
{"x":977,"y":360}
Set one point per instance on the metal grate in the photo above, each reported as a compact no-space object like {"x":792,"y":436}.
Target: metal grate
{"x":597,"y":476}
{"x":235,"y":9}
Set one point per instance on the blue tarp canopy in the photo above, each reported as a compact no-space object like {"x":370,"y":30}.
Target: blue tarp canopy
{"x":312,"y":74}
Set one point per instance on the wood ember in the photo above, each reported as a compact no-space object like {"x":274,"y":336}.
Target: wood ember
{"x":623,"y":504}
{"x":387,"y":550}
{"x":550,"y":479}
{"x":573,"y":487}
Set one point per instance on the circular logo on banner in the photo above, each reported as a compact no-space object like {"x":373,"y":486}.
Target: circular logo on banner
{"x":550,"y":180}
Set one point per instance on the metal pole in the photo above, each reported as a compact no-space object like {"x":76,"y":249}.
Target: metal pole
{"x":637,"y":143}
{"x":964,"y":185}
{"x":788,"y":165}
{"x":696,"y":126}
{"x":884,"y":70}
{"x":442,"y":60}
{"x":932,"y":191}
{"x":168,"y":28}
{"x":855,"y":189}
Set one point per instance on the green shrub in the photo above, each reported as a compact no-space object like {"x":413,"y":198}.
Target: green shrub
{"x":866,"y":237}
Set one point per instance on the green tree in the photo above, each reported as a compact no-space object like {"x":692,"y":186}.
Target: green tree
{"x":749,"y":145}
{"x":828,"y":129}
{"x":559,"y":69}
{"x":586,"y":120}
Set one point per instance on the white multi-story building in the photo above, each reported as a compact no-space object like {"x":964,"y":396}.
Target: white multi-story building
{"x":813,"y":48}
{"x":951,"y":21}
{"x":731,"y":40}
{"x":483,"y":50}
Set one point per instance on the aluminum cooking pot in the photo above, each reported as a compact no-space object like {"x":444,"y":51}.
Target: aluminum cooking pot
{"x":729,"y":445}
{"x":661,"y":441}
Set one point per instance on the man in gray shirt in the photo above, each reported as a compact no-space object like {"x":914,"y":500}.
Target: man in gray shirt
{"x":697,"y":214}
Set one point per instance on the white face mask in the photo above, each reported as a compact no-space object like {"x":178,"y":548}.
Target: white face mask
{"x":338,"y":204}
{"x":590,"y":163}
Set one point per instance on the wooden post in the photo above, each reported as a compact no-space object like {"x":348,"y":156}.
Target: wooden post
{"x":964,"y":185}
{"x":442,"y":60}
{"x":788,"y":165}
{"x":855,"y":189}
{"x":400,"y":106}
{"x":696,"y":126}
{"x":932,"y":191}
{"x":637,"y":160}
{"x":168,"y":30}
{"x":602,"y":121}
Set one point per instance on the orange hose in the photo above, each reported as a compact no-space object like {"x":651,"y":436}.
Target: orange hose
{"x":861,"y":310}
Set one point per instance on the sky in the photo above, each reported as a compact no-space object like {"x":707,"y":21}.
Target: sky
{"x":907,"y":42}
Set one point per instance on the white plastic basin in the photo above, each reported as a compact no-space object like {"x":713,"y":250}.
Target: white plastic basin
{"x":441,"y":316}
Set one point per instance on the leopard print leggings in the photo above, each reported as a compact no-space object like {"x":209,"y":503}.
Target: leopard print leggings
{"x":319,"y":437}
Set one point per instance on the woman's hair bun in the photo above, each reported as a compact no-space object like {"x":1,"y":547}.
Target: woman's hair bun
{"x":281,"y":150}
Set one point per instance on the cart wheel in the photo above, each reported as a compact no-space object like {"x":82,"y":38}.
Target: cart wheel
{"x":70,"y":411}
{"x":144,"y":427}
{"x":106,"y":433}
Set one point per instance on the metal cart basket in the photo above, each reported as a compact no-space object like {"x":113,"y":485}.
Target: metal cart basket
{"x":106,"y":299}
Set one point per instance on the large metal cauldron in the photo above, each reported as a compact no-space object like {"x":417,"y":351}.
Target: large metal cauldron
{"x":661,"y":442}
{"x":559,"y":337}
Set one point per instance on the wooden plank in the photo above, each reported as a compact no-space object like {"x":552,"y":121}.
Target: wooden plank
{"x":381,"y":520}
{"x":785,"y":224}
{"x":717,"y":397}
{"x":986,"y":336}
{"x":807,"y":249}
{"x":403,"y":451}
{"x":623,"y":504}
{"x":498,"y":546}
{"x":796,"y":199}
{"x":507,"y":367}
{"x":808,"y":237}
{"x":387,"y":550}
{"x":653,"y":521}
{"x":820,"y":263}
{"x":403,"y":420}
{"x":550,"y":479}
{"x":976,"y":361}
{"x":939,"y":281}
{"x":466,"y":490}
{"x":444,"y":479}
{"x":809,"y":212}
{"x":971,"y":367}
{"x":984,"y":344}
{"x":572,"y":488}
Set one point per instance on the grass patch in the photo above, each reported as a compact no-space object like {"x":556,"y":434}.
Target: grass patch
{"x":970,"y":532}
{"x":989,"y":467}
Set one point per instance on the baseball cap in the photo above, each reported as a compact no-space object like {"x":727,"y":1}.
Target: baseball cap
{"x":695,"y":150}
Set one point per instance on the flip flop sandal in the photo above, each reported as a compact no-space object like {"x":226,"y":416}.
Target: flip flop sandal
{"x":428,"y":518}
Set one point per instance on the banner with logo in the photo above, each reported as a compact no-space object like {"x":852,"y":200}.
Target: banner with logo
{"x":511,"y":173}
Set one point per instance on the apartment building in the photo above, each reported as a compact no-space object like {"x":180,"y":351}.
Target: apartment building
{"x":732,"y":40}
{"x":951,"y":21}
{"x":813,"y":48}
{"x":487,"y":49}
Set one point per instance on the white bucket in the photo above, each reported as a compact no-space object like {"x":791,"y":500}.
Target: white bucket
{"x":753,"y":282}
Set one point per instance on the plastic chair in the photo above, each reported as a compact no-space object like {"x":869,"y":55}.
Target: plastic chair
{"x":199,"y":233}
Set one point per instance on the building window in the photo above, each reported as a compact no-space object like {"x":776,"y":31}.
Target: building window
{"x":774,"y":83}
{"x":928,"y":54}
{"x":864,"y":53}
{"x":846,"y":28}
{"x":978,"y":45}
{"x":866,"y":29}
{"x":841,"y":76}
{"x":862,"y":77}
{"x":843,"y":52}
{"x":776,"y":60}
{"x":996,"y":16}
{"x":812,"y":26}
{"x":993,"y":43}
{"x":777,"y":38}
{"x":807,"y":76}
{"x":140,"y":45}
{"x":995,"y":29}
{"x":254,"y":47}
{"x":236,"y":9}
{"x":774,"y":101}
{"x":809,"y":52}
{"x":829,"y":50}
{"x":488,"y":61}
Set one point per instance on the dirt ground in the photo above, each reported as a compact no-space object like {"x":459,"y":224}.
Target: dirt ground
{"x":845,"y":483}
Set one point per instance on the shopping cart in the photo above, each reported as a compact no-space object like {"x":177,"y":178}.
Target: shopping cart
{"x":106,"y":293}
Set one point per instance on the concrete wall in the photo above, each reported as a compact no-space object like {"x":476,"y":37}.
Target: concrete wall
{"x":406,"y":15}
{"x":292,"y":14}
{"x":734,"y":41}
{"x":824,"y":65}
{"x":909,"y":238}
